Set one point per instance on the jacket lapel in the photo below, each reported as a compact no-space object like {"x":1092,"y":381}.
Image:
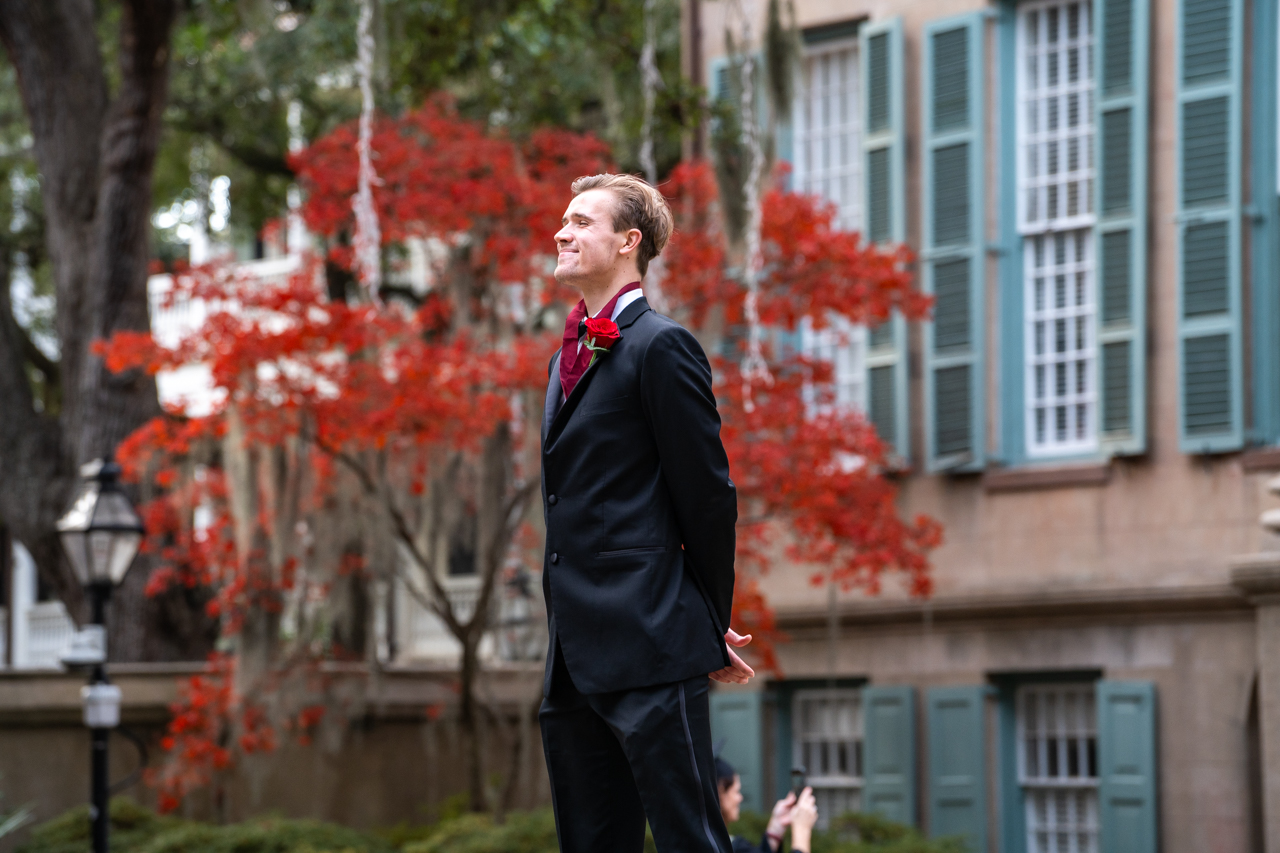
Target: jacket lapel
{"x":559,"y":418}
{"x":552,"y":406}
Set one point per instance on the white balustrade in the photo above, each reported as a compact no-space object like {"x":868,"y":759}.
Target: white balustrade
{"x":517,"y":624}
{"x":49,"y":630}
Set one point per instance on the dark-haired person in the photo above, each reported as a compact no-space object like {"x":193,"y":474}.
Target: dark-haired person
{"x":638,"y":574}
{"x":798,"y":813}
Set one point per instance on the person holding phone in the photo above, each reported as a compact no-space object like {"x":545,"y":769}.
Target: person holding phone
{"x":798,"y":811}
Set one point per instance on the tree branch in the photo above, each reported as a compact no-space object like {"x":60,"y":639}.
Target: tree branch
{"x":513,"y":509}
{"x":41,"y":362}
{"x":256,"y":158}
{"x":440,"y":605}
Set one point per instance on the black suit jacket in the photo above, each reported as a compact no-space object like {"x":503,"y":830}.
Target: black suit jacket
{"x":640,"y":511}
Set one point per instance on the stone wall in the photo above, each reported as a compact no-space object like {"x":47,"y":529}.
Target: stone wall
{"x":1199,"y":650}
{"x":388,"y":763}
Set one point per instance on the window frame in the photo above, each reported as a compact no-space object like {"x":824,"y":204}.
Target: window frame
{"x":849,"y":345}
{"x":851,"y":360}
{"x":854,"y":784}
{"x":1048,"y":226}
{"x":1050,"y":784}
{"x":801,"y":132}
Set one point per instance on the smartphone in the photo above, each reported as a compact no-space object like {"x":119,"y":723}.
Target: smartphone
{"x":798,"y":775}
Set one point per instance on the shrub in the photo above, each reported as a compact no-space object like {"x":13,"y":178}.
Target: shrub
{"x":131,"y":827}
{"x":522,"y":832}
{"x":138,"y":830}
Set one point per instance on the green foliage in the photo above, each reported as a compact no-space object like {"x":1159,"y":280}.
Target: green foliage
{"x":782,"y":49}
{"x":265,"y":836}
{"x":138,"y":830}
{"x":521,"y":832}
{"x":132,"y":827}
{"x":773,"y":76}
{"x":238,"y":65}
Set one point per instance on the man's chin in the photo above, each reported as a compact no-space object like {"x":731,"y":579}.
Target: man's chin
{"x":566,"y":275}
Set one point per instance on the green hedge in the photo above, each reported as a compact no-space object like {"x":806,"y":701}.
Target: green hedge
{"x":137,"y":830}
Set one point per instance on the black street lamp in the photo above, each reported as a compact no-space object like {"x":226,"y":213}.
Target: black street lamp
{"x":100,"y":534}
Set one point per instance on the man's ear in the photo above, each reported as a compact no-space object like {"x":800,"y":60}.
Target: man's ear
{"x":633,"y":241}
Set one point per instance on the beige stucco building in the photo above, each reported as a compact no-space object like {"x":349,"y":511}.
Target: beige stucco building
{"x":1090,"y":189}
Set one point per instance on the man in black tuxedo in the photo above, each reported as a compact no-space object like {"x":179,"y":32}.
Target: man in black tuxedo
{"x":638,"y":573}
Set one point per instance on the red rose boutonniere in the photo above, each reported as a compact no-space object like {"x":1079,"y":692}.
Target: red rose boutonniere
{"x":602,"y":334}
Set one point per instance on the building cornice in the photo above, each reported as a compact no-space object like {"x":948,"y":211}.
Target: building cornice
{"x":1218,"y":599}
{"x":397,"y":693}
{"x":1257,"y":576}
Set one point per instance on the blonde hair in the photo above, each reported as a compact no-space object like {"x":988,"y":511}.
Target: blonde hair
{"x":639,"y":206}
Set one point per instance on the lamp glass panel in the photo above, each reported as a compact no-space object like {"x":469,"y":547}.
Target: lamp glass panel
{"x":101,"y":543}
{"x":124,"y":547}
{"x":81,"y":512}
{"x":114,"y":510}
{"x":74,"y":543}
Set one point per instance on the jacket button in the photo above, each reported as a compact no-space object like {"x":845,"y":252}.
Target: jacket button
{"x":552,"y":499}
{"x":555,"y":558}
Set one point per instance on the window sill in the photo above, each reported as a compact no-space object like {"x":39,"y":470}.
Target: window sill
{"x":1032,"y":479}
{"x":1260,"y":459}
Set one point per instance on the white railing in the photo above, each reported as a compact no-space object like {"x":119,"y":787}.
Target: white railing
{"x":517,"y":626}
{"x":49,"y":630}
{"x":427,"y":637}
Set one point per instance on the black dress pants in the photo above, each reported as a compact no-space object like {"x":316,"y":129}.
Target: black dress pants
{"x":615,"y":758}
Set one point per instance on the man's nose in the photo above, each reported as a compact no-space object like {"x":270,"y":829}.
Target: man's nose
{"x":562,"y":237}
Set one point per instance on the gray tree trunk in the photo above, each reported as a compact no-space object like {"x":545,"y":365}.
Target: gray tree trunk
{"x":96,"y":150}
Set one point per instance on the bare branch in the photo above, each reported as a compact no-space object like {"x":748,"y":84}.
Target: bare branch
{"x":513,"y":509}
{"x":439,"y":604}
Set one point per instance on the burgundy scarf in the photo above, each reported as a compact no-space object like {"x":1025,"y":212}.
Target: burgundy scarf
{"x":573,"y":359}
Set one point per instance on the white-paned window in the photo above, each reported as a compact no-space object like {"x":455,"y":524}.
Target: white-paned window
{"x":845,"y":346}
{"x":827,"y":133}
{"x":827,"y":155}
{"x":1058,"y":767}
{"x":1056,"y":217}
{"x":1061,"y":347}
{"x":827,"y":740}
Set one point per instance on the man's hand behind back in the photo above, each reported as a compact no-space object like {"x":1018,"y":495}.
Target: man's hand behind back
{"x":737,"y":672}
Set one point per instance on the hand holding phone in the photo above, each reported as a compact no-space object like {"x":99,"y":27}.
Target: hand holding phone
{"x":798,"y":777}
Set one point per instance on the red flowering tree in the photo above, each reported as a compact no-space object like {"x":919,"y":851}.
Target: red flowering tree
{"x":362,"y":443}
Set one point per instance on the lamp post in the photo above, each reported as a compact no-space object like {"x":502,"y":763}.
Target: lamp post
{"x":100,"y":534}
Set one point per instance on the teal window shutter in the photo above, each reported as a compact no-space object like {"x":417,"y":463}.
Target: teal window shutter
{"x":958,"y":763}
{"x":1012,"y":809}
{"x":1209,"y":80}
{"x":718,"y":79}
{"x":736,"y":720}
{"x":1123,"y":36}
{"x":889,"y":752}
{"x":1127,"y":766}
{"x":883,"y":146}
{"x":952,"y":248}
{"x":1264,"y":209}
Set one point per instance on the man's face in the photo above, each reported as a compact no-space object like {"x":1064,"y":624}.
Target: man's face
{"x":586,"y":241}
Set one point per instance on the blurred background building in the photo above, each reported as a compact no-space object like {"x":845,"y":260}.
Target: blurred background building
{"x":1090,"y":191}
